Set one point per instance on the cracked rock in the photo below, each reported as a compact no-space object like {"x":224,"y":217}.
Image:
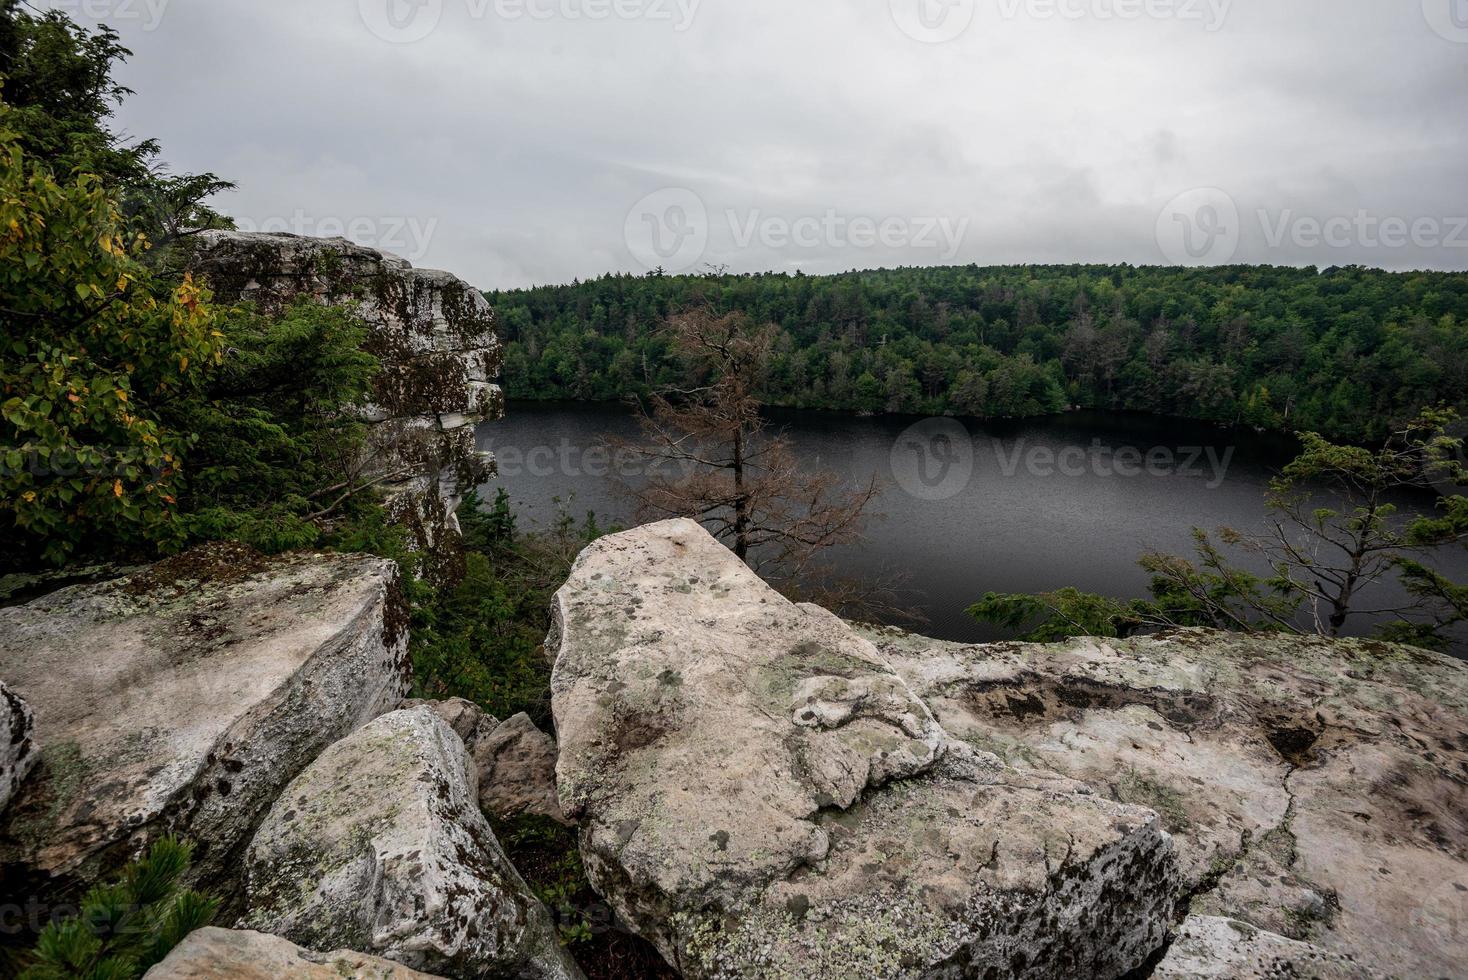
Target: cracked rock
{"x":1315,"y":789}
{"x":761,"y":795}
{"x":380,"y":846}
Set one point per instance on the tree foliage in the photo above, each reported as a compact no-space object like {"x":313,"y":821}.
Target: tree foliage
{"x":1348,"y":352}
{"x":125,"y":927}
{"x":1334,"y":531}
{"x":712,"y":458}
{"x":94,"y":346}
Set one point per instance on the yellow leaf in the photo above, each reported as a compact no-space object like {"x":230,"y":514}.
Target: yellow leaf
{"x":29,"y":496}
{"x":117,"y":488}
{"x":183,"y":364}
{"x":121,"y":395}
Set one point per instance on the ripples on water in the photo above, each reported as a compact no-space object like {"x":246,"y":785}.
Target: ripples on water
{"x":1045,"y":503}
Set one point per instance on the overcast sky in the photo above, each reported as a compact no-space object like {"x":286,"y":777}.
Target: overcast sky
{"x":517,"y":142}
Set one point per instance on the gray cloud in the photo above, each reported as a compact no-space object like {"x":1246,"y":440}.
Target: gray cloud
{"x":510,"y":148}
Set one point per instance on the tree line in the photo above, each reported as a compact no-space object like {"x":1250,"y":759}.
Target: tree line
{"x":1349,"y":352}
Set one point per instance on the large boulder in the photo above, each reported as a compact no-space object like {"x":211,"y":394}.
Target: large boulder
{"x":760,"y":794}
{"x":434,"y":335}
{"x":380,"y":846}
{"x":183,"y":698}
{"x":1315,"y":789}
{"x":17,"y":747}
{"x":225,"y":954}
{"x":1211,"y":948}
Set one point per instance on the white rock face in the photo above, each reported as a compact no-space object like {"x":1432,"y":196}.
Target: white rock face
{"x":17,"y":748}
{"x":1210,"y":948}
{"x":184,"y":698}
{"x":380,"y":846}
{"x":225,"y":954}
{"x":1315,"y":789}
{"x":434,"y":335}
{"x":762,"y":795}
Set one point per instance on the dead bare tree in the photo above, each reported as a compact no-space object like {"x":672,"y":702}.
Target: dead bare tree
{"x":711,"y":456}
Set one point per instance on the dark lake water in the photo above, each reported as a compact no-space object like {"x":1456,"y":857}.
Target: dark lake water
{"x":967,"y":507}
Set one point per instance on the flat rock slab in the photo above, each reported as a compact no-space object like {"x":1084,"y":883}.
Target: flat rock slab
{"x":226,"y":954}
{"x":1315,"y":789}
{"x":761,"y":795}
{"x":1211,"y":948}
{"x":184,"y":698}
{"x":17,"y":744}
{"x":380,"y":846}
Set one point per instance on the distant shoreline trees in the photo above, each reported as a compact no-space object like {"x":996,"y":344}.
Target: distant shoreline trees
{"x":1351,"y":353}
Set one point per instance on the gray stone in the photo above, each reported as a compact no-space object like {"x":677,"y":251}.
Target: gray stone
{"x":432,"y":332}
{"x":225,"y":954}
{"x":1314,"y":788}
{"x":380,"y":846}
{"x":17,"y":746}
{"x":517,"y":771}
{"x":467,"y":719}
{"x":761,"y":795}
{"x":184,"y":697}
{"x":1211,"y":948}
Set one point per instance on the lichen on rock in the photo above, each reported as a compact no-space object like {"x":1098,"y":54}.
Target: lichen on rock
{"x":379,"y":846}
{"x":182,"y":699}
{"x":761,"y":795}
{"x":434,"y":336}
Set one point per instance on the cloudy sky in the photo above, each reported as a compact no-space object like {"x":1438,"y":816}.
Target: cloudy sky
{"x":517,"y":142}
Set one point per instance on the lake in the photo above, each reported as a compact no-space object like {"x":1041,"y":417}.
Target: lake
{"x":967,"y":507}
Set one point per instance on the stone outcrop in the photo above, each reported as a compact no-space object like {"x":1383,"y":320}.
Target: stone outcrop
{"x":380,"y":846}
{"x":762,"y":795}
{"x":434,"y":335}
{"x":1211,"y":948}
{"x":514,"y":762}
{"x":183,"y":698}
{"x":517,"y":771}
{"x":224,"y":954}
{"x":17,"y":746}
{"x":1315,"y":789}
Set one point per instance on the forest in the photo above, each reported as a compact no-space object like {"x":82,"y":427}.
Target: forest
{"x":1348,"y":352}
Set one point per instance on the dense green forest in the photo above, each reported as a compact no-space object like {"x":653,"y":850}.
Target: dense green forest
{"x":1345,"y":351}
